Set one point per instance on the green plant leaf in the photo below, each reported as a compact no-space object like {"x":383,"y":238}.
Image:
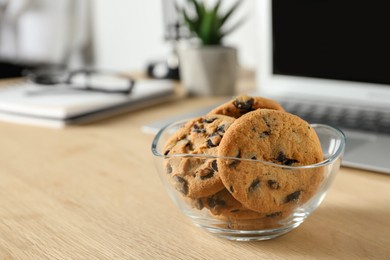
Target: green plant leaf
{"x":211,"y":26}
{"x":216,"y":7}
{"x":233,"y":28}
{"x":230,"y":12}
{"x":207,"y":23}
{"x":215,"y":25}
{"x":191,"y":23}
{"x":206,"y":27}
{"x":200,"y":9}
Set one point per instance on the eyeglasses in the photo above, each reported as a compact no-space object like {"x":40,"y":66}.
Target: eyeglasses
{"x":84,"y":80}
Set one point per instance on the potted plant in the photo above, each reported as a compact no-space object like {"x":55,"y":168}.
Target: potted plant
{"x":208,"y":68}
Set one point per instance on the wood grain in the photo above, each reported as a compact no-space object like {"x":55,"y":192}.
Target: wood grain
{"x":91,"y":192}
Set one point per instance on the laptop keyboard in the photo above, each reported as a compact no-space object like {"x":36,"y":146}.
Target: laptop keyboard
{"x":341,"y":117}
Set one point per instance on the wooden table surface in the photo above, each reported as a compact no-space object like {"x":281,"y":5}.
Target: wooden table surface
{"x":92,"y":192}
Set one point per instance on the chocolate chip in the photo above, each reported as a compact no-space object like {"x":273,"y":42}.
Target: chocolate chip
{"x":210,"y":144}
{"x":254,"y":158}
{"x":265,"y":134}
{"x":214,"y":165}
{"x":214,"y":134}
{"x":254,"y":185}
{"x":221,"y":128}
{"x":293,"y":196}
{"x":209,"y":174}
{"x":169,"y":168}
{"x":289,"y":162}
{"x":198,"y":129}
{"x":273,"y":184}
{"x":180,"y":184}
{"x":281,"y":157}
{"x":166,"y":152}
{"x":266,"y":121}
{"x":244,"y":105}
{"x":274,"y":214}
{"x":234,"y":163}
{"x":213,"y":140}
{"x":231,"y":189}
{"x":198,"y":204}
{"x":214,"y":202}
{"x":209,"y":121}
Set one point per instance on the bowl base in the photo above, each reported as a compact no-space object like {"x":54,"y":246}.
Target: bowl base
{"x":249,"y":235}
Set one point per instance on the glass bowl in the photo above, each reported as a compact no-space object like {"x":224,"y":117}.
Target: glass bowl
{"x":225,"y":217}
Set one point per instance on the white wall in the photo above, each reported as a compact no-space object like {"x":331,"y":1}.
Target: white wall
{"x":129,"y":33}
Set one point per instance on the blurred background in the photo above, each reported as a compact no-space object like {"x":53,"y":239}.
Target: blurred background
{"x":118,"y":35}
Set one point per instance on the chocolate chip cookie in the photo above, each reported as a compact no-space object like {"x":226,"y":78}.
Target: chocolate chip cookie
{"x":224,"y":204}
{"x":244,"y":104}
{"x":196,"y":176}
{"x":273,"y":137}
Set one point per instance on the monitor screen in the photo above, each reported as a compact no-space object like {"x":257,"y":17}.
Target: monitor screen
{"x":332,"y":39}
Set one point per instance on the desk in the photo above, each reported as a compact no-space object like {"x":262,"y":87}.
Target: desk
{"x":91,"y":191}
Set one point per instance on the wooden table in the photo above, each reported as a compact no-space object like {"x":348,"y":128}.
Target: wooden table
{"x":92,"y":192}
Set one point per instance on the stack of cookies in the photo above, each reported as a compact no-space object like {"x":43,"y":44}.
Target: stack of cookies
{"x":246,"y":172}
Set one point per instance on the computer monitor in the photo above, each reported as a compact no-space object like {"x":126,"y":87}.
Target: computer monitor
{"x":326,"y":49}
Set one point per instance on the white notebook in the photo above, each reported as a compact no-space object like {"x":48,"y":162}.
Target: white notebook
{"x":58,"y":106}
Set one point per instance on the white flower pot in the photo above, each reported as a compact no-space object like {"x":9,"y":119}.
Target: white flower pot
{"x":209,"y":70}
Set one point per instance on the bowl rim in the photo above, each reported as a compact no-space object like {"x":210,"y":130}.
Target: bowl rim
{"x":339,"y":152}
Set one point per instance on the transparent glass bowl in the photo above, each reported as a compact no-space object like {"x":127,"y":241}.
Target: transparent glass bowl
{"x":224,"y":217}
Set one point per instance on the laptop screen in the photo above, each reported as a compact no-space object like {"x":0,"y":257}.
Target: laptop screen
{"x":342,"y":40}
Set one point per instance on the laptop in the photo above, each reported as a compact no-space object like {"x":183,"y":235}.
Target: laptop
{"x":329,"y":62}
